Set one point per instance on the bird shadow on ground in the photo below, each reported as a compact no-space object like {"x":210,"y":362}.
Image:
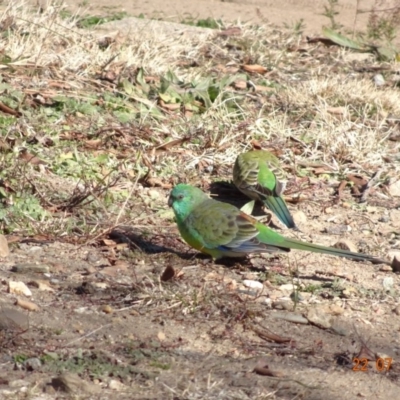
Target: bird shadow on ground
{"x":149,"y":243}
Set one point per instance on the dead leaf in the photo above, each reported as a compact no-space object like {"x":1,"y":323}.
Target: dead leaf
{"x":171,"y":143}
{"x":4,"y":250}
{"x":9,"y":110}
{"x":267,"y":372}
{"x":232,"y":31}
{"x":30,"y":158}
{"x":240,"y":85}
{"x":27,"y":305}
{"x":168,"y":274}
{"x":170,"y":106}
{"x":254,"y":68}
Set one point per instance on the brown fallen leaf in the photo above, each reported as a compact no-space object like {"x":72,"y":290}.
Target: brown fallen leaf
{"x":168,"y":274}
{"x":240,"y":85}
{"x":171,"y":143}
{"x":254,"y":68}
{"x":27,"y":305}
{"x":232,"y":31}
{"x":9,"y":110}
{"x":30,"y":158}
{"x":267,"y":372}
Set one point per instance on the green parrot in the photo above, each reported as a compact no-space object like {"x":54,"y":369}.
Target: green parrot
{"x":258,"y":175}
{"x":222,"y":230}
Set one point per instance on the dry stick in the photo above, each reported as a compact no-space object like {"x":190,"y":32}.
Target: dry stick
{"x":355,"y":19}
{"x":375,"y":177}
{"x":87,"y":335}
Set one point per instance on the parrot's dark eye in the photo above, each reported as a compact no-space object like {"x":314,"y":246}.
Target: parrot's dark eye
{"x":180,"y":196}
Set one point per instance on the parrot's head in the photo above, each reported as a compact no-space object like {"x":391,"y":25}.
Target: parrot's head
{"x":184,"y":198}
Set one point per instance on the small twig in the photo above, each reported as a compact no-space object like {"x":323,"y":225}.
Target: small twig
{"x":370,"y":183}
{"x":87,"y":335}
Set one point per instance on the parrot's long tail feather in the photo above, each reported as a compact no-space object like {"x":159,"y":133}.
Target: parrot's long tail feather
{"x":278,"y":206}
{"x":299,"y":245}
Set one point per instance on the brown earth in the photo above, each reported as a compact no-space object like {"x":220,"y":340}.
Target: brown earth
{"x":203,"y":335}
{"x":257,"y":11}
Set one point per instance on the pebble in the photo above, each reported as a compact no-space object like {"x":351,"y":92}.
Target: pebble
{"x":73,"y":384}
{"x":379,"y":80}
{"x":16,"y":287}
{"x":283,"y":304}
{"x":32,"y":364}
{"x":337,"y":229}
{"x":346,"y":244}
{"x":299,"y":217}
{"x":395,"y":265}
{"x":12,"y":318}
{"x":4,"y":249}
{"x":253,"y":284}
{"x":116,"y":385}
{"x":26,"y":268}
{"x":107,"y":309}
{"x":319,"y":317}
{"x":41,"y":285}
{"x":396,"y":310}
{"x":349,"y":292}
{"x":388,"y":283}
{"x":27,"y":305}
{"x":288,"y":287}
{"x":394,"y":189}
{"x":291,"y":317}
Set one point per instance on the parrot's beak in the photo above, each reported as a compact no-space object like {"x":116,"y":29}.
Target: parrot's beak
{"x":170,"y":201}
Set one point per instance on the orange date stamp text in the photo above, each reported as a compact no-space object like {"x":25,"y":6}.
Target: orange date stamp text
{"x":381,"y":364}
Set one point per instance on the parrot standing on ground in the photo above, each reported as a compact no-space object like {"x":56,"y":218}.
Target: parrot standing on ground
{"x":222,"y":230}
{"x":257,"y":174}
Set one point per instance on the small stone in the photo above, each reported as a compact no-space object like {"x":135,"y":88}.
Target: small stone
{"x":336,"y":310}
{"x":72,"y":383}
{"x":395,"y":265}
{"x":4,"y":250}
{"x":19,"y":288}
{"x":287,"y":287}
{"x":12,"y":319}
{"x":93,"y":257}
{"x":349,"y":292}
{"x":27,"y":305}
{"x":100,"y":285}
{"x":396,"y":310}
{"x":116,"y":385}
{"x":384,"y":218}
{"x":107,"y":309}
{"x":337,"y":229}
{"x":26,"y":268}
{"x":154,"y":194}
{"x":346,"y":244}
{"x":291,"y":317}
{"x":283,"y":304}
{"x":394,"y":189}
{"x":299,"y":217}
{"x":41,"y":285}
{"x":319,"y":317}
{"x":379,"y":80}
{"x":386,"y":268}
{"x":253,"y":284}
{"x":32,"y":364}
{"x":18,"y":383}
{"x":388,"y":283}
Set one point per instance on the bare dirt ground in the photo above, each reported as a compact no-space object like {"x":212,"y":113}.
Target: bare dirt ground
{"x":133,"y":313}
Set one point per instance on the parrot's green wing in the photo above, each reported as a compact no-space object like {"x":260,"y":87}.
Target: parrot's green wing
{"x":225,"y":228}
